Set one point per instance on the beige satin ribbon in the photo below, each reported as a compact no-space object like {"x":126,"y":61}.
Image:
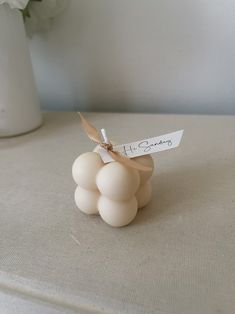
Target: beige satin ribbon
{"x":94,"y":135}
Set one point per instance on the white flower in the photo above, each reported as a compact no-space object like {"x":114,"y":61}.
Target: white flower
{"x":15,"y":4}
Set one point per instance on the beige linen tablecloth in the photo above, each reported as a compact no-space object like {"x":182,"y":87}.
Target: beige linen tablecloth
{"x":178,"y":256}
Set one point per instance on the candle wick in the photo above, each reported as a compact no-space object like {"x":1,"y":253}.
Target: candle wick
{"x":105,"y":137}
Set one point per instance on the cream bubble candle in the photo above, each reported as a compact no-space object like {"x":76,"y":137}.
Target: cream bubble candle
{"x":111,"y":183}
{"x":113,"y":190}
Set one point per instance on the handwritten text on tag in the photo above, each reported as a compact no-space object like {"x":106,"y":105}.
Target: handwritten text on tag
{"x":145,"y":147}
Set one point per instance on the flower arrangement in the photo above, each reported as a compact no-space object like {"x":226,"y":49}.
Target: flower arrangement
{"x":19,"y":102}
{"x":18,"y":4}
{"x":38,"y":14}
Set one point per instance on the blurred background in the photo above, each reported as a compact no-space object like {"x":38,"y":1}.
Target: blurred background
{"x":139,"y":55}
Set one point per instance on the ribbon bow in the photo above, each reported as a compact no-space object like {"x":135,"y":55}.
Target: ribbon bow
{"x":94,"y":135}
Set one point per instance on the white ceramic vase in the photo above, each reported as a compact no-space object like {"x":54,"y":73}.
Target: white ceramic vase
{"x":19,"y":102}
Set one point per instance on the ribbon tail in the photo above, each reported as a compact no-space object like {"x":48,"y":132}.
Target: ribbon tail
{"x":128,"y":162}
{"x":90,"y":130}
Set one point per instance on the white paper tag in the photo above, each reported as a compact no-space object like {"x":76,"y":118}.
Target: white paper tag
{"x":145,"y":147}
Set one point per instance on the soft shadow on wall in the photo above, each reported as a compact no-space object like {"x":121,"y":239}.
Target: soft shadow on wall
{"x":134,"y":55}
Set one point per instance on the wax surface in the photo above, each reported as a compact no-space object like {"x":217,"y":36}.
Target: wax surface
{"x":85,"y":169}
{"x":87,"y":200}
{"x":117,"y":213}
{"x":143,"y":195}
{"x":118,"y":182}
{"x":112,"y":190}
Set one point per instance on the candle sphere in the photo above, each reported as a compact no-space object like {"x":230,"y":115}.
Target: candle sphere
{"x":145,"y":160}
{"x":86,"y":200}
{"x":143,"y":195}
{"x":117,"y":181}
{"x":117,"y":213}
{"x":85,"y":169}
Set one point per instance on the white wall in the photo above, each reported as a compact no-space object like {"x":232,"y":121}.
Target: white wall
{"x":139,"y":55}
